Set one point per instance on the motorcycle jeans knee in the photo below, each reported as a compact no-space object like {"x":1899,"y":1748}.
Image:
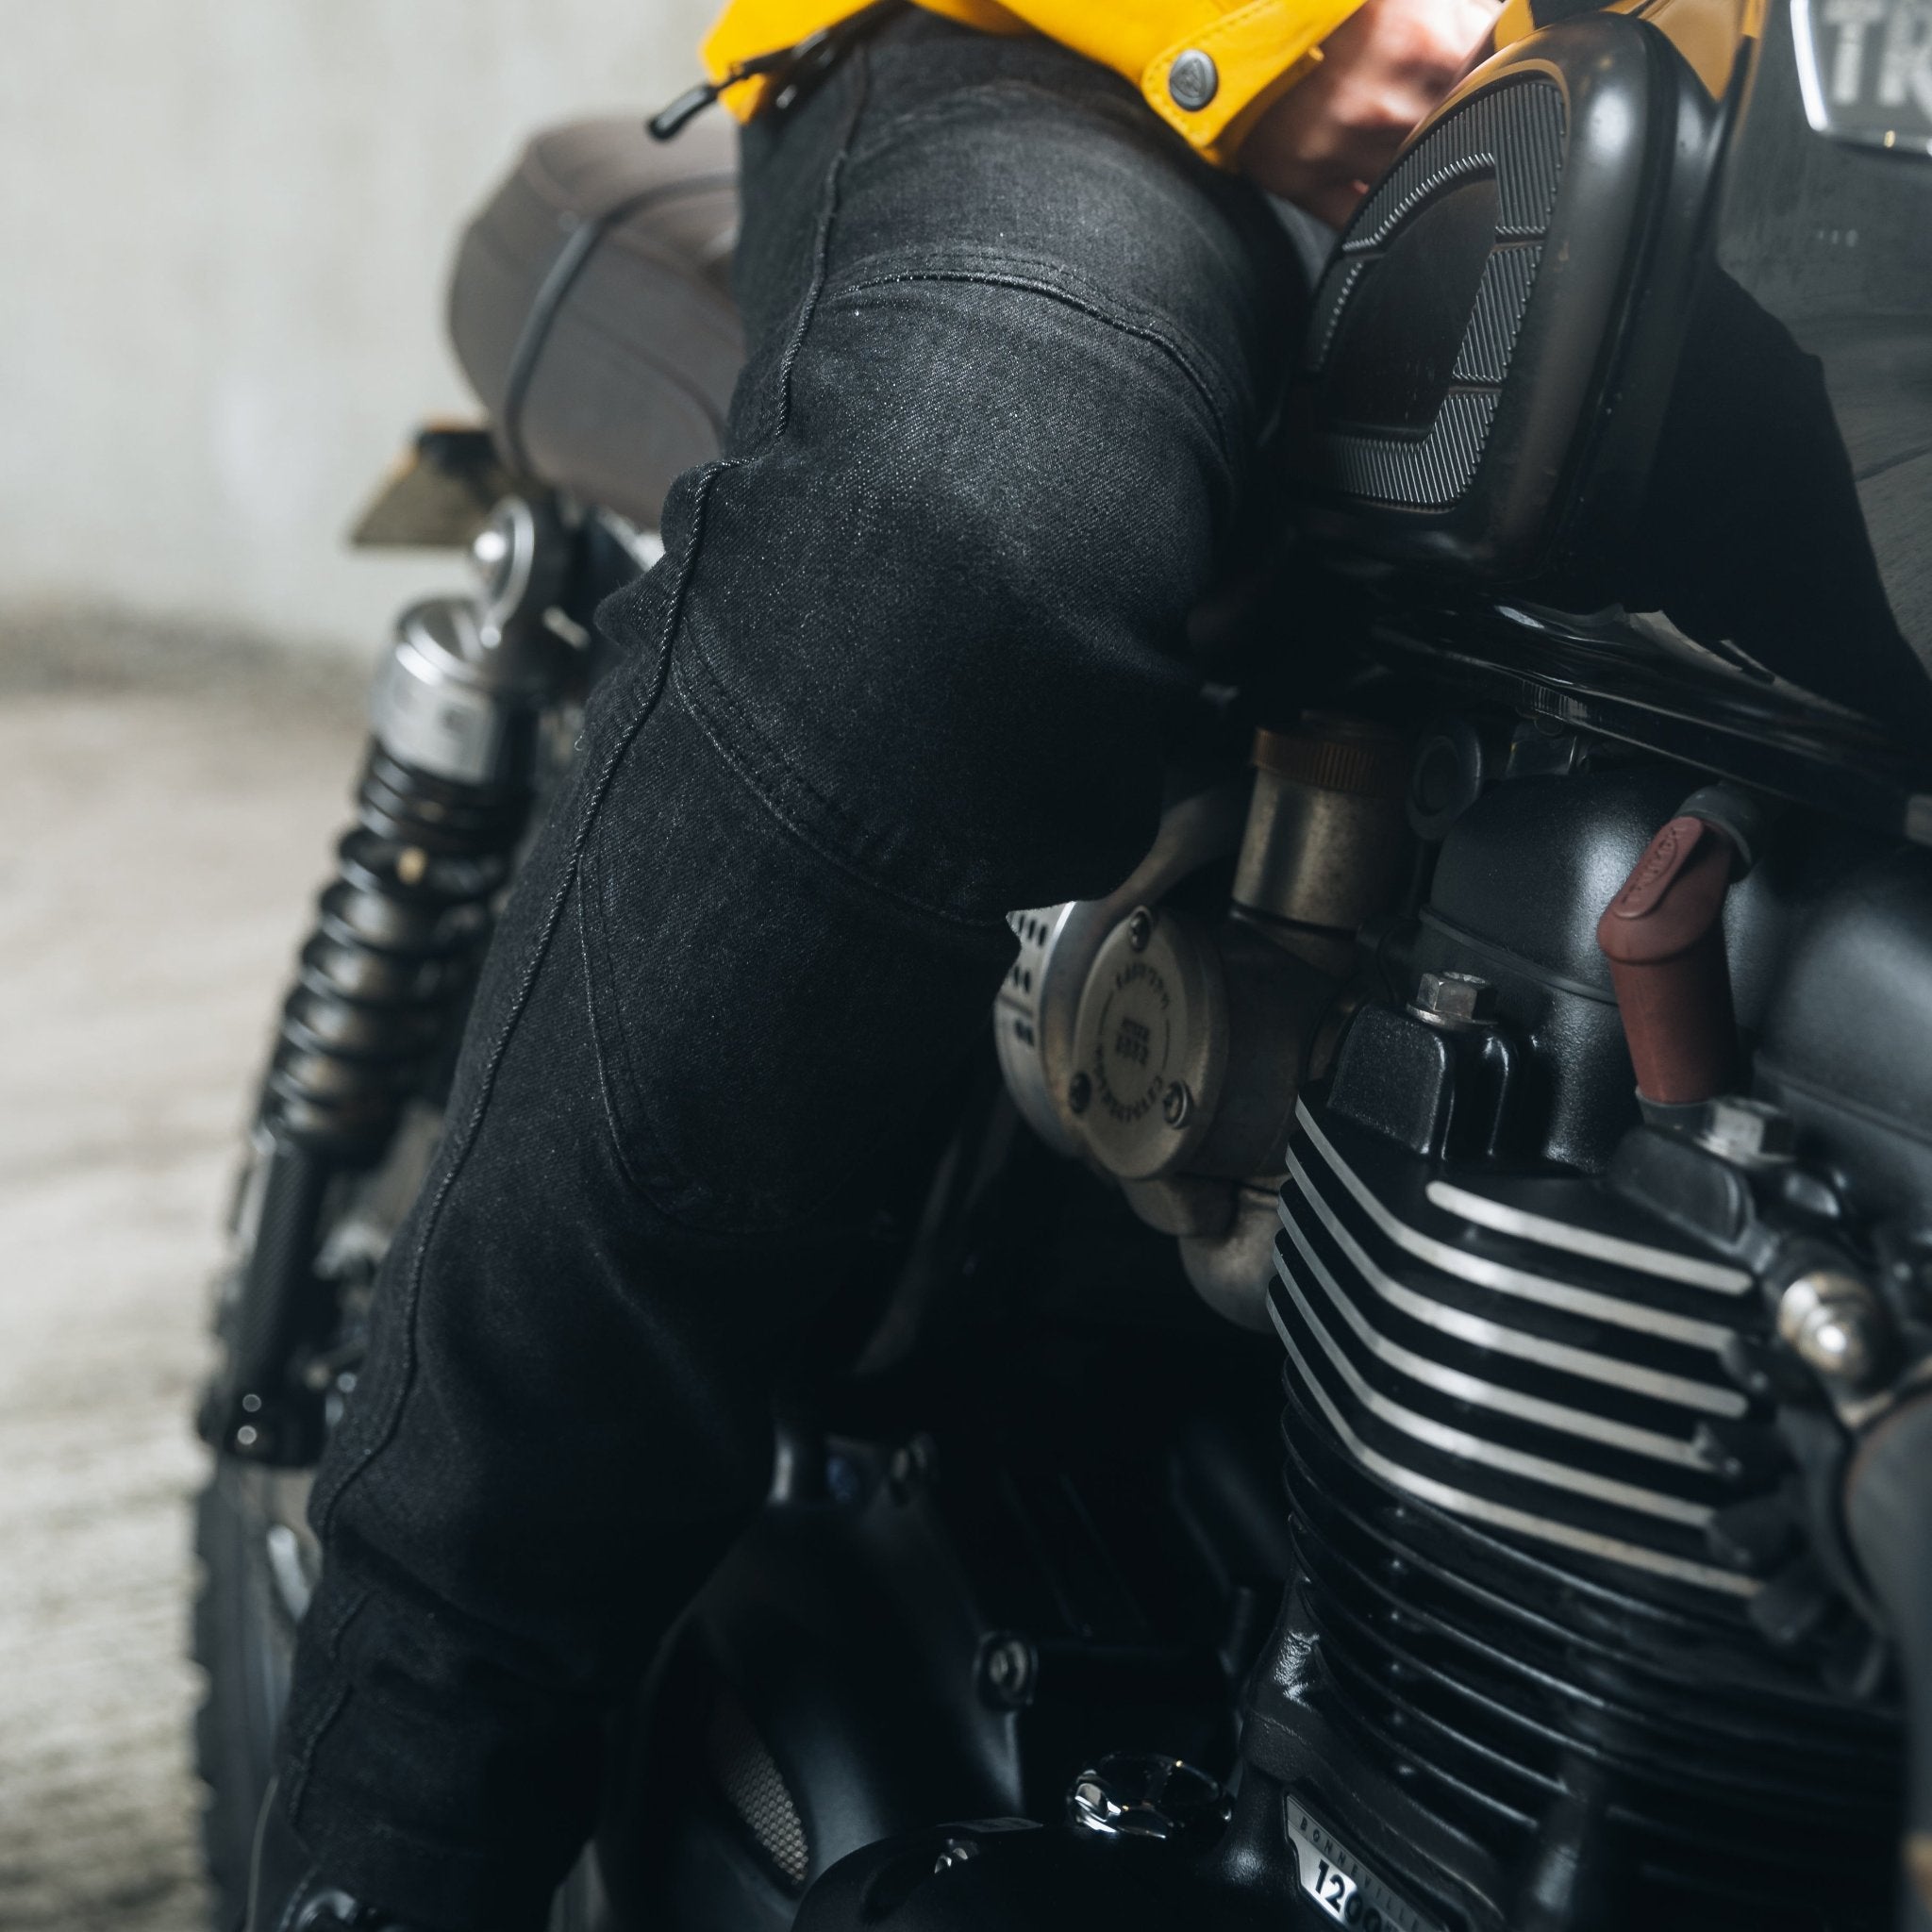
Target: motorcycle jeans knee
{"x":911,"y":659}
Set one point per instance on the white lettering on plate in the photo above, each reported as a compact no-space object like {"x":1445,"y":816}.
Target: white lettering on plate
{"x":1342,"y":1886}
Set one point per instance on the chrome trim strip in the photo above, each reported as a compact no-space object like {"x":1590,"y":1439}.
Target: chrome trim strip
{"x":1609,"y":1248}
{"x":1462,"y":1387}
{"x":1500,"y":1516}
{"x":1483,"y":1333}
{"x":1459,"y":1444}
{"x":1505,"y":1279}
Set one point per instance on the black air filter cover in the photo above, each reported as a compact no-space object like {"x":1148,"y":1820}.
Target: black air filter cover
{"x":1464,"y":362}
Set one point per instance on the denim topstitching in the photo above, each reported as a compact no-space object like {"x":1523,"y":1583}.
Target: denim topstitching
{"x":1057,"y":288}
{"x":322,"y":1504}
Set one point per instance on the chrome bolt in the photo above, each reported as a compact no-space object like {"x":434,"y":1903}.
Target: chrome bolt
{"x":1836,"y":1346}
{"x":1455,"y":999}
{"x":1177,"y":1104}
{"x":489,"y":549}
{"x":957,"y":1851}
{"x":1079,"y":1092}
{"x":1834,"y":1323}
{"x":1192,"y":80}
{"x":1748,"y":1133}
{"x":1139,"y":929}
{"x":1146,"y":1795}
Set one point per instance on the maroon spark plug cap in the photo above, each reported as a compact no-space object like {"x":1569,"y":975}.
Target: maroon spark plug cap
{"x":1663,"y":935}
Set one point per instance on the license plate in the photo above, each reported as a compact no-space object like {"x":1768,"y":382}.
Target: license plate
{"x":1342,"y":1886}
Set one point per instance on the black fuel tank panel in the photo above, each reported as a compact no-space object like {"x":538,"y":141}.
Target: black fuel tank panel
{"x":1623,"y":332}
{"x":1456,"y":372}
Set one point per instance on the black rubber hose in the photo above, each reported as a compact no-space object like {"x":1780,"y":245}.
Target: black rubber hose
{"x":1889,"y":1519}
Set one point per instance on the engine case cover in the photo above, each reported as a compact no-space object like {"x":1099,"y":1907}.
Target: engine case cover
{"x":1151,"y":1039}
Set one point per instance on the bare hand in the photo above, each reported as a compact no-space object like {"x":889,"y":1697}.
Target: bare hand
{"x":1382,"y":70}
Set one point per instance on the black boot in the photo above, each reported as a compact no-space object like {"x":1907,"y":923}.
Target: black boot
{"x":289,"y":1892}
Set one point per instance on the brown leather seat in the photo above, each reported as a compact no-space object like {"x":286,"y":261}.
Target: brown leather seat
{"x":591,"y":308}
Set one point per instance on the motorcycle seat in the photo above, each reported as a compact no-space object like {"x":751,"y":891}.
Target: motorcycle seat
{"x":591,"y":309}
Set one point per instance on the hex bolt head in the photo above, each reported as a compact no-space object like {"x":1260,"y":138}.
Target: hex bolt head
{"x":1194,"y":80}
{"x":1139,"y":929}
{"x":1747,"y":1132}
{"x":1834,"y":1323}
{"x":1079,"y":1093}
{"x":1176,"y":1105}
{"x":1455,"y":999}
{"x":911,"y":1467}
{"x":1008,"y":1668}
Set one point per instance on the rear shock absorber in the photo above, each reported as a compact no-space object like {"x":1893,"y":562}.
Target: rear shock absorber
{"x":385,"y":974}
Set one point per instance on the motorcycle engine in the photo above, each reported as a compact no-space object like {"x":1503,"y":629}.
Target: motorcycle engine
{"x":1566,"y":1371}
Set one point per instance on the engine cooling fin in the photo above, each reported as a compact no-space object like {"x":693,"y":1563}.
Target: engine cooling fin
{"x":1518,"y":1384}
{"x":1500,"y":1395}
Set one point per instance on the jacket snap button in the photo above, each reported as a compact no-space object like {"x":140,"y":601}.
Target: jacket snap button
{"x":1192,"y":80}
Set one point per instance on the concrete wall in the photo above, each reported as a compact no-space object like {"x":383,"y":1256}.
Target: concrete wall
{"x":224,"y":230}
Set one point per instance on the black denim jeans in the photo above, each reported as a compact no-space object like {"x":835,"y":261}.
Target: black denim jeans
{"x":912,"y":659}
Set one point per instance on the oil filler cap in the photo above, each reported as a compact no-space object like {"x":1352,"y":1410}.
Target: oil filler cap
{"x":1147,"y":1794}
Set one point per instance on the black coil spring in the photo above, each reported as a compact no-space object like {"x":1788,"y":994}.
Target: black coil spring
{"x":398,"y":935}
{"x":373,"y":1015}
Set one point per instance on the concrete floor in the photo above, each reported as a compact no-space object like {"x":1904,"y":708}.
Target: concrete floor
{"x":167,"y":805}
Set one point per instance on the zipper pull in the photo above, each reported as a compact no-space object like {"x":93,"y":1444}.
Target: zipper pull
{"x":810,"y":58}
{"x":671,"y":119}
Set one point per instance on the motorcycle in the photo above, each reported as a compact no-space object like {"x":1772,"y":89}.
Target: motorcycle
{"x":1517,"y":1046}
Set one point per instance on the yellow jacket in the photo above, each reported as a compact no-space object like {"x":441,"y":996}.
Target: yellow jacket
{"x":1255,"y":50}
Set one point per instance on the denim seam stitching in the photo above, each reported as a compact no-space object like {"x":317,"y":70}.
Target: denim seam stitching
{"x":295,"y":1898}
{"x":1085,"y":305}
{"x":339,"y":1627}
{"x":781,"y":422}
{"x":711,"y":724}
{"x":325,"y":1506}
{"x":331,"y":1640}
{"x":298,"y":1783}
{"x":642,"y":1127}
{"x":623,"y":1045}
{"x":500,"y":1047}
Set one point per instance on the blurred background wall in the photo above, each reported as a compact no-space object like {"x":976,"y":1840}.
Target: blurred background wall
{"x":224,"y":226}
{"x":224,"y":230}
